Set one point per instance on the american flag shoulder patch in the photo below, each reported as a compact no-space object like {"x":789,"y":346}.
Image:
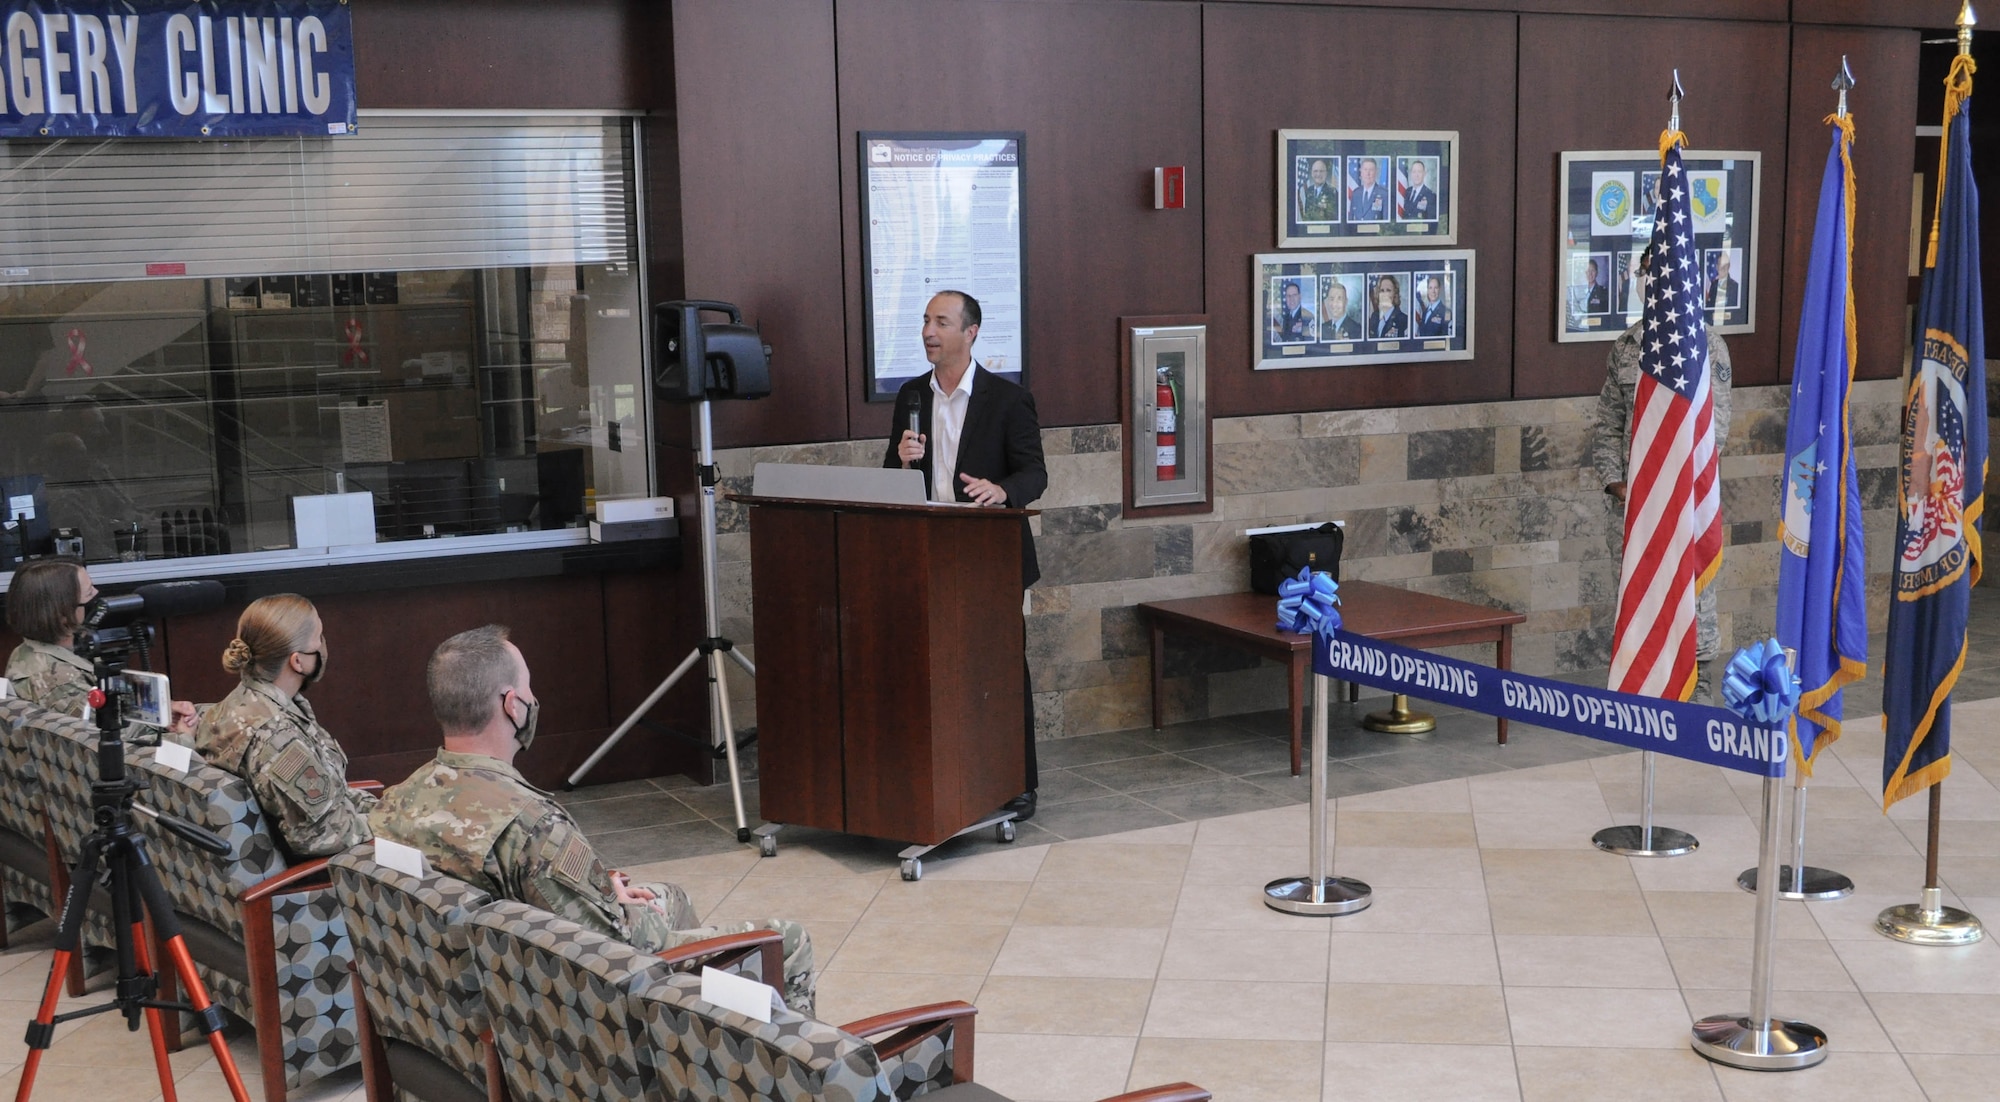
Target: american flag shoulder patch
{"x":573,"y":863}
{"x":291,"y":761}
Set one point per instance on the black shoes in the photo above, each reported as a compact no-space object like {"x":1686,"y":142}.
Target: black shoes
{"x":1023,"y":806}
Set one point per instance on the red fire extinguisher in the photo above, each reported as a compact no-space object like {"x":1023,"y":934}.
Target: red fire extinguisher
{"x":1166,"y":456}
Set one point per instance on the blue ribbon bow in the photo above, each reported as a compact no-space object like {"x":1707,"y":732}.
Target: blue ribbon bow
{"x":1305,"y":603}
{"x":1760,"y":685}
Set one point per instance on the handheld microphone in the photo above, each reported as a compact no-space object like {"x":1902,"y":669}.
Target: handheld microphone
{"x":916,"y":419}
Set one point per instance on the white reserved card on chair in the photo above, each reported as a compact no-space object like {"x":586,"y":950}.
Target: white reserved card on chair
{"x":172,"y":755}
{"x":408,"y":860}
{"x":732,"y":992}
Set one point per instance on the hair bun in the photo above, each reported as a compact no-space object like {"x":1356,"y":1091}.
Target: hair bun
{"x":236,"y":656}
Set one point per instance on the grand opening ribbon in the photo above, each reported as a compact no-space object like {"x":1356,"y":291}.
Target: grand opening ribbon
{"x":1306,"y":602}
{"x":355,"y":354}
{"x":1760,"y":684}
{"x":77,"y":343}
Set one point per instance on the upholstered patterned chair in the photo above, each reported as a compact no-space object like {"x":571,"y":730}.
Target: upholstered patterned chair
{"x":27,"y":873}
{"x":269,"y":940}
{"x":417,"y":999}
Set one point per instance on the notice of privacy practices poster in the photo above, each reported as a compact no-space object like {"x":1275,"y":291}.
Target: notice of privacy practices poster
{"x":941,"y":212}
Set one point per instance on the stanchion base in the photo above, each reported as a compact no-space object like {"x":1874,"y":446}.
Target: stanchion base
{"x":1819,"y":883}
{"x":1631,"y":841}
{"x":1944,"y":926}
{"x":1338,"y":895}
{"x":1734,"y":1040}
{"x":1399,"y":719}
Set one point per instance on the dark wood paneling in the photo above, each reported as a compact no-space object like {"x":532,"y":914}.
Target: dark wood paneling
{"x":760,"y":196}
{"x":1104,"y":92}
{"x":1267,"y":69}
{"x":1882,"y":102}
{"x":1735,"y":76}
{"x":1764,"y":10}
{"x":512,"y":54}
{"x":1880,"y":13}
{"x":798,"y":651}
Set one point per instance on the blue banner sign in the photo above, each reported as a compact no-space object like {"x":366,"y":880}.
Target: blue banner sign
{"x":1697,"y":732}
{"x":175,"y":68}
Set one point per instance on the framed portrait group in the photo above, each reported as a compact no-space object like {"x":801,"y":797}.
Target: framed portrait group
{"x":1608,"y":201}
{"x":1351,"y":188}
{"x":1326,"y":309}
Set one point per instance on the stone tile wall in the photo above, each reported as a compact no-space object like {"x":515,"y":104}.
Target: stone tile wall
{"x":1492,"y":502}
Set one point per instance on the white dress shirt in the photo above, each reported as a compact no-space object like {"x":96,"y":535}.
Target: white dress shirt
{"x":947,"y":427}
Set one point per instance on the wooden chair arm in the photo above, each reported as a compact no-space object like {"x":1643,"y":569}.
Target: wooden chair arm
{"x":496,"y":1078}
{"x":373,"y":788}
{"x":1170,"y":1092}
{"x":918,"y":1023}
{"x":730,"y":948}
{"x":288,"y":880}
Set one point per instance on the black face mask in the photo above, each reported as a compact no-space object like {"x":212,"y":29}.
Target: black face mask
{"x":319,"y":669}
{"x":524,"y":732}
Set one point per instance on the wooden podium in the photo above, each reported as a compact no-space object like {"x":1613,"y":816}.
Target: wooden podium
{"x":889,"y":658}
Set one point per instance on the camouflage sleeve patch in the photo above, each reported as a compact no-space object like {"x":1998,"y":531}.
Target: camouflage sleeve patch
{"x":572,"y":863}
{"x":294,"y":760}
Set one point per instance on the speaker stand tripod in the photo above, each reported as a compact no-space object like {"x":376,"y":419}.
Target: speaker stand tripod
{"x":136,"y":896}
{"x":713,"y":648}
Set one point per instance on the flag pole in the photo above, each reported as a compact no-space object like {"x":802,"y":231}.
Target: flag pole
{"x":1647,"y":840}
{"x":1799,"y":880}
{"x":1930,"y":922}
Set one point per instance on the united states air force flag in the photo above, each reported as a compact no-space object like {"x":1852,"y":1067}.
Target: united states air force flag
{"x":1822,"y":574}
{"x":1943,"y":478}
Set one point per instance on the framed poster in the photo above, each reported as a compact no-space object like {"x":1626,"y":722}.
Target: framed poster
{"x":1329,"y":309}
{"x":1352,"y":188}
{"x":1608,"y":199}
{"x":940,"y":212}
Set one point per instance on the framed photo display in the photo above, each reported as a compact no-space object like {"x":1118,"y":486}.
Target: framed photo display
{"x":940,"y":212}
{"x":1352,"y":188}
{"x":1606,"y":220}
{"x":1330,"y":309}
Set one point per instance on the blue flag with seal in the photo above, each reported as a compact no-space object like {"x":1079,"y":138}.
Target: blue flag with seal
{"x":1937,"y":553}
{"x":1822,"y":575}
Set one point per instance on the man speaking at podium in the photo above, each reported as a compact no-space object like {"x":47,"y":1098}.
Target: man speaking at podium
{"x":988,"y":447}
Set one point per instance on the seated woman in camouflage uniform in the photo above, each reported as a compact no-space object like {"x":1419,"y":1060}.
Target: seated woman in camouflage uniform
{"x":45,"y":605}
{"x":265,"y":732}
{"x":477,"y":819}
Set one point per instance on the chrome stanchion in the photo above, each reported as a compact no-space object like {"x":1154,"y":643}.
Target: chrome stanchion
{"x":1318,"y":893}
{"x":1645,"y":839}
{"x":1799,"y":880}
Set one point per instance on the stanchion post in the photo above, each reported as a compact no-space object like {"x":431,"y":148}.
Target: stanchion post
{"x":1318,"y":893}
{"x":1646,"y":839}
{"x":1799,"y":880}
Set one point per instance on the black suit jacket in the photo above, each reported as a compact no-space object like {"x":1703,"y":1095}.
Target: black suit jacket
{"x":1002,"y":443}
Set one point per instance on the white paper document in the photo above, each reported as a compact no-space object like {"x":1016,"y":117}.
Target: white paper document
{"x":732,"y":992}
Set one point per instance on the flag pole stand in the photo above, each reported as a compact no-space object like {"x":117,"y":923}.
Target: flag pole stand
{"x":1399,"y":719}
{"x":1757,"y":1041}
{"x":1317,"y":893}
{"x":1930,"y":922}
{"x":1645,"y":839}
{"x":1799,"y":880}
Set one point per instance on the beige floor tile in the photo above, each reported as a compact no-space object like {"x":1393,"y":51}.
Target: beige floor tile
{"x":1537,"y":830}
{"x":827,"y":938}
{"x":1435,"y":1012}
{"x":1847,"y":1018}
{"x":1081,"y":951}
{"x":1841,"y":802}
{"x":1236,"y":1071}
{"x":1271,"y":955}
{"x":1101,"y":862}
{"x":804,"y":860}
{"x":1627,"y":1074}
{"x":1237,"y":1010}
{"x":818,"y":898}
{"x":1570,"y":960}
{"x":851,"y":996}
{"x":1718,"y":962}
{"x":1419,"y":1072}
{"x":1053,"y":1069}
{"x":1596,"y":1017}
{"x":1971,"y":876}
{"x":1125,"y":903}
{"x":1579,"y":869}
{"x":1877,"y":874}
{"x":705,"y":892}
{"x":1415,"y":829}
{"x":1951,"y":1024}
{"x":1176,"y":834}
{"x":1417,"y":911}
{"x":1844,"y":1077}
{"x":1413,"y":958}
{"x":1013,"y":863}
{"x":1969,"y":838}
{"x":1063,"y":1004}
{"x":1713,"y":914}
{"x":1246,"y":866}
{"x":1885,"y":965}
{"x":734,"y":862}
{"x":1853,"y":918}
{"x":1453,"y":795}
{"x":948,"y":901}
{"x":1956,"y":1078}
{"x":1408,"y":867}
{"x":1253,"y":828}
{"x":900,"y":947}
{"x":1831,"y":838}
{"x":1502,"y":793}
{"x":1615,"y":914}
{"x":1219,"y":907}
{"x":1708,"y":869}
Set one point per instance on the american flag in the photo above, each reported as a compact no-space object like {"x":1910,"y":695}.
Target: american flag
{"x":1673,"y":506}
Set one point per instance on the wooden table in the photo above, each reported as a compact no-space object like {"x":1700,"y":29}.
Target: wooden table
{"x":1249,"y":621}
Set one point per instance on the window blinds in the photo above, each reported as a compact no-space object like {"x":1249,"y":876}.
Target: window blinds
{"x":404,"y":194}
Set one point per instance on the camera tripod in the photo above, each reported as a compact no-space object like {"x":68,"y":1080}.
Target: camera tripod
{"x":136,"y":897}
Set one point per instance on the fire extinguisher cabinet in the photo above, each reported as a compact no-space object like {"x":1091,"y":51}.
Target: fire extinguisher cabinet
{"x":1166,"y":416}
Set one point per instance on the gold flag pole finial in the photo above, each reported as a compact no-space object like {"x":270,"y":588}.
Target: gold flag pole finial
{"x":1966,"y":20}
{"x":1843,"y":81}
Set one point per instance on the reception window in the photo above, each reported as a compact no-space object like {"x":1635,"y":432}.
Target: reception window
{"x":431,"y":329}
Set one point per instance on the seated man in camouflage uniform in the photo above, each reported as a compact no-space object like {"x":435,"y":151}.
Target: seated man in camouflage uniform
{"x":266,"y":733}
{"x":45,"y":606}
{"x":476,"y":818}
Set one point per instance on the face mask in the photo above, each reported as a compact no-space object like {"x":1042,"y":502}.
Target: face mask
{"x":524,"y":732}
{"x":319,"y":669}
